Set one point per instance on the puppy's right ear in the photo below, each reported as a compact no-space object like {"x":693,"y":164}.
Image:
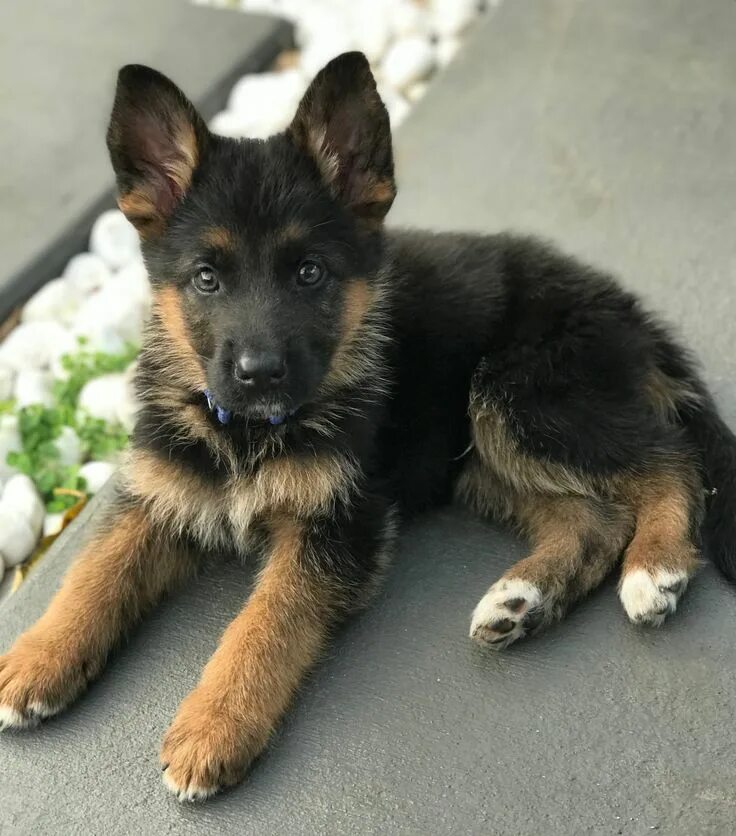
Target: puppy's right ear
{"x":156,"y":139}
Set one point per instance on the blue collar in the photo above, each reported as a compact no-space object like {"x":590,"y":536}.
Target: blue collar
{"x":224,"y":415}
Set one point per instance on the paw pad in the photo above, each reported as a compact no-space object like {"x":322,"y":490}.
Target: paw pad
{"x":510,"y":609}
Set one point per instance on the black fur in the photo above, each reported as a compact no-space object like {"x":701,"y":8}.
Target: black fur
{"x":561,"y":347}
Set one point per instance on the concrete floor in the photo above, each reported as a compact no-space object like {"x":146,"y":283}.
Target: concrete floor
{"x":610,"y":128}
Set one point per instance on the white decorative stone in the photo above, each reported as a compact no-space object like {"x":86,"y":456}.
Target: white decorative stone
{"x":32,"y":387}
{"x":328,"y":44}
{"x":288,"y":9}
{"x":52,"y":524}
{"x":260,"y":105}
{"x":112,"y":317}
{"x":102,"y":396}
{"x":229,"y":124}
{"x":451,"y":17}
{"x":68,"y":446}
{"x":446,"y":50}
{"x":407,"y":61}
{"x":132,"y":280}
{"x":32,"y":345}
{"x":114,"y":239}
{"x":56,"y":366}
{"x":396,"y":104}
{"x":17,"y":539}
{"x":416,"y":91}
{"x":408,"y":18}
{"x":95,"y":474}
{"x":56,"y":301}
{"x":319,"y":20}
{"x":130,"y":373}
{"x":262,"y":92}
{"x":7,"y":381}
{"x":127,"y":410}
{"x":398,"y":111}
{"x":85,"y":273}
{"x":370,"y":29}
{"x":9,"y":443}
{"x":21,"y":495}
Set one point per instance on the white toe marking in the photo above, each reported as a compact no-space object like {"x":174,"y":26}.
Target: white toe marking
{"x":650,"y":598}
{"x":492,"y":609}
{"x":12,"y":719}
{"x":192,"y":792}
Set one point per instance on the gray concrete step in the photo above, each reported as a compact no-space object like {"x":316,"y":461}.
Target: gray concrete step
{"x":58,"y":62}
{"x":608,"y":127}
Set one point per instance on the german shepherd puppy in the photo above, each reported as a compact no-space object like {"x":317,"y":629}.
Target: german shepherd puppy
{"x":306,"y":373}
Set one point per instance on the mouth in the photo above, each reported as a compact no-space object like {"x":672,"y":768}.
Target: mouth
{"x":271,"y":413}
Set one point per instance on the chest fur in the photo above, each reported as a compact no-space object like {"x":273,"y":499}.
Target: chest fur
{"x":221,"y":515}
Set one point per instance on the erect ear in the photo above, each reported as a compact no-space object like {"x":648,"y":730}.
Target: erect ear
{"x":156,"y":139}
{"x":342,"y":123}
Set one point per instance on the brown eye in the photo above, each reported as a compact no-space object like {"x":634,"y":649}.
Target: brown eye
{"x":206,"y":280}
{"x":310,"y":273}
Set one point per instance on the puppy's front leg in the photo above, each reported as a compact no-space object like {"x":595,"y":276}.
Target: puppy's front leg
{"x":313,"y":575}
{"x":120,"y":573}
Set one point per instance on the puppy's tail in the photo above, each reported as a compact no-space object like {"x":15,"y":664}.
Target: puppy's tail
{"x":717,"y":446}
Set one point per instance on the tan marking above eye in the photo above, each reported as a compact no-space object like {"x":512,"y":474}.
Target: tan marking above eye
{"x":292,"y":232}
{"x":219,"y":238}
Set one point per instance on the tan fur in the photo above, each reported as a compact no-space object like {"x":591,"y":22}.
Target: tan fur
{"x":495,"y":446}
{"x":378,"y":196}
{"x":381,"y":192}
{"x":139,"y":204}
{"x":326,"y":158}
{"x":219,"y":238}
{"x":181,"y":168}
{"x":184,"y":368}
{"x":575,"y":544}
{"x":292,"y":232}
{"x":248,"y":683}
{"x":579,"y":527}
{"x":118,"y":575}
{"x":357,"y":298}
{"x":302,"y":487}
{"x":665,"y":509}
{"x":667,"y":396}
{"x":362,"y":336}
{"x":139,"y":207}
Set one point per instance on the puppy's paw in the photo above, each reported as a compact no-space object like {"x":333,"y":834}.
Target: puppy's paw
{"x":512,"y":608}
{"x":206,"y":748}
{"x":649,"y":598}
{"x":35,"y":683}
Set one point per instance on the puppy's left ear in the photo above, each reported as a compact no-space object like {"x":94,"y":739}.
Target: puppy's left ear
{"x":343,"y":125}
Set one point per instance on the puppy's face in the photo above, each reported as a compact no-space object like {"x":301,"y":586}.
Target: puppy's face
{"x":262,"y":254}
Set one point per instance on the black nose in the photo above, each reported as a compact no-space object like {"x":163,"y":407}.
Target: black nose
{"x":260,"y":368}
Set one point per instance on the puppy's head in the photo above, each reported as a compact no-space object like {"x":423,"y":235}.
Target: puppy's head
{"x":262,"y":254}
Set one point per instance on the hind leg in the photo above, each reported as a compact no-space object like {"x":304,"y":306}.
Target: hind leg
{"x":575,"y":544}
{"x":662,"y":556}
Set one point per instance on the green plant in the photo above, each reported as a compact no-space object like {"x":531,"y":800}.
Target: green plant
{"x":83,"y":367}
{"x":40,"y":426}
